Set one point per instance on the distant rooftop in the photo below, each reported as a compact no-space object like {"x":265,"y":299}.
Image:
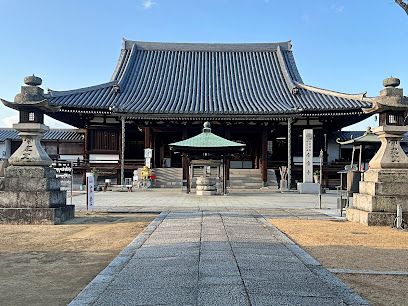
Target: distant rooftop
{"x":74,"y":135}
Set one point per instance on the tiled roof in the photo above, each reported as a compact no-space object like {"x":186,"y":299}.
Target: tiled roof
{"x":206,"y":79}
{"x":73,"y":135}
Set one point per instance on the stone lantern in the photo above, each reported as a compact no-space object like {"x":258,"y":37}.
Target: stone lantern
{"x":392,"y":107}
{"x":30,"y":192}
{"x":384,"y":184}
{"x":31,"y":104}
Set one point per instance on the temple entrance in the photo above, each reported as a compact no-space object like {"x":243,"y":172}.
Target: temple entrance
{"x":164,"y":157}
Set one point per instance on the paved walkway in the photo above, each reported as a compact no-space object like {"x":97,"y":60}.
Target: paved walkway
{"x":167,"y":199}
{"x":214,"y":258}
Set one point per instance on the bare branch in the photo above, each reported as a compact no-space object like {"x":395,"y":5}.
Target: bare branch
{"x":403,"y":5}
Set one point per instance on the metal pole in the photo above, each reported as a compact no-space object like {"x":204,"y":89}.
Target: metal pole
{"x":122,"y":157}
{"x":290,"y":120}
{"x":320,"y":178}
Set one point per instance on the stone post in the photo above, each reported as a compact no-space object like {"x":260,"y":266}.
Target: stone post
{"x":307,"y":186}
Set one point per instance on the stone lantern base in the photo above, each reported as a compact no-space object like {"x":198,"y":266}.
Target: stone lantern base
{"x":32,"y":195}
{"x":380,"y":192}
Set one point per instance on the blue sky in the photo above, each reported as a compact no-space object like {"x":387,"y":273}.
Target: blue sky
{"x":343,"y":45}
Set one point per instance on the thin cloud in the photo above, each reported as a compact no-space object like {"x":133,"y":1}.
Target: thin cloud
{"x":338,"y":8}
{"x":148,"y":4}
{"x":305,"y":17}
{"x":55,"y":124}
{"x":9,"y":121}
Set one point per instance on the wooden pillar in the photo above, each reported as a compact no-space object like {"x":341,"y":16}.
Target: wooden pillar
{"x":86,"y":153}
{"x":227,"y":131}
{"x":290,"y":121}
{"x":122,"y":152}
{"x":86,"y":143}
{"x":184,"y":158}
{"x":264,"y":156}
{"x":227,"y":172}
{"x":188,"y":173}
{"x":147,"y":137}
{"x":148,"y":143}
{"x":224,"y":176}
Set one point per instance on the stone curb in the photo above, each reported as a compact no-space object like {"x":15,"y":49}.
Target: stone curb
{"x":341,"y":289}
{"x":94,"y":289}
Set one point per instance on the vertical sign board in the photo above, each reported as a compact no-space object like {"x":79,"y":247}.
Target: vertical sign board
{"x":64,"y":174}
{"x":148,"y":154}
{"x":307,"y":156}
{"x":90,"y":195}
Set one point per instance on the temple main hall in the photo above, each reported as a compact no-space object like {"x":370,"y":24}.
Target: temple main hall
{"x":251,"y":93}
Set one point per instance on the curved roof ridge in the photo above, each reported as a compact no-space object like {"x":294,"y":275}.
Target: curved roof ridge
{"x":359,"y":96}
{"x":56,"y":93}
{"x":119,"y":63}
{"x":236,"y":47}
{"x":291,"y":84}
{"x":126,"y":67}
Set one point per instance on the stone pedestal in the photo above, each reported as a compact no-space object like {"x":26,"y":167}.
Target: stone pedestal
{"x":380,"y":192}
{"x":31,"y":195}
{"x":206,"y":186}
{"x":308,"y":188}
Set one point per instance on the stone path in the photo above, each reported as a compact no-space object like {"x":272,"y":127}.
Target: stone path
{"x":215,"y":258}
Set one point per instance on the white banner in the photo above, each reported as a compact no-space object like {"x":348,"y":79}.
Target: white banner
{"x":148,"y":153}
{"x":90,"y":194}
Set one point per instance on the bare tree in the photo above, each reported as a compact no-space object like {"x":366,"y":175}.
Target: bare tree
{"x":403,"y":4}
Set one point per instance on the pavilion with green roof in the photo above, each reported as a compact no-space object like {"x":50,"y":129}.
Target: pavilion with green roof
{"x":206,"y":145}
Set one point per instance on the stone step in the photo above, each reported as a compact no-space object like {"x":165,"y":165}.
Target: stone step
{"x":391,"y":176}
{"x":380,"y":188}
{"x":168,"y":177}
{"x":32,"y":199}
{"x":38,"y":184}
{"x":371,"y":218}
{"x":246,"y":186}
{"x":379,"y":203}
{"x":245,"y":179}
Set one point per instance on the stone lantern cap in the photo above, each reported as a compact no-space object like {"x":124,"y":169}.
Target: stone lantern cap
{"x":391,"y":98}
{"x":31,"y":96}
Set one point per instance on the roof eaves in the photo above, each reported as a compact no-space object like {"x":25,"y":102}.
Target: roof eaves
{"x":359,"y":97}
{"x":56,"y":93}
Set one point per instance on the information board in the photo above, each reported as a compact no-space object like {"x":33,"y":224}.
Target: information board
{"x":64,"y":174}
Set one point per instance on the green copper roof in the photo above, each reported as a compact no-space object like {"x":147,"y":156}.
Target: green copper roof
{"x":206,"y":140}
{"x":367,"y":137}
